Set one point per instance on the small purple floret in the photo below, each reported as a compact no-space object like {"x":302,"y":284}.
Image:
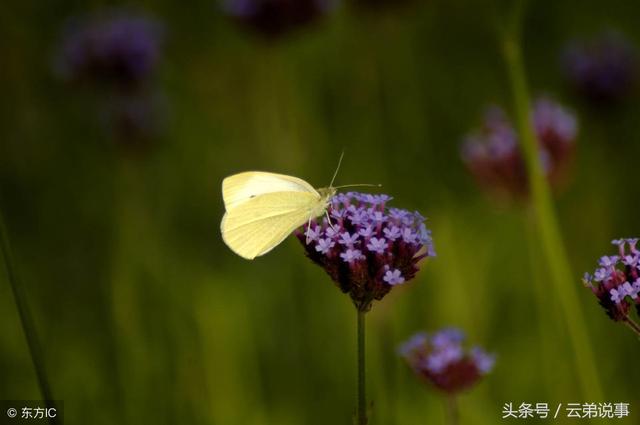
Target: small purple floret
{"x":393,"y":277}
{"x":378,"y":245}
{"x":352,"y":255}
{"x":484,"y":361}
{"x":325,"y":245}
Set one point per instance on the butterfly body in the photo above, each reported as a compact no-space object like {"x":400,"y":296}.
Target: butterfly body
{"x":262,"y":209}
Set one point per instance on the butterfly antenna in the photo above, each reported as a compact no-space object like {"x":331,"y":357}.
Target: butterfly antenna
{"x":358,"y":184}
{"x":337,"y":168}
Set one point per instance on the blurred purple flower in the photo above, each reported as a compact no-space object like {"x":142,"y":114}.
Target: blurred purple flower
{"x":357,"y":251}
{"x":616,"y":283}
{"x":274,"y":18}
{"x":443,"y":361}
{"x":603,"y":68}
{"x":115,"y":48}
{"x":493,"y":155}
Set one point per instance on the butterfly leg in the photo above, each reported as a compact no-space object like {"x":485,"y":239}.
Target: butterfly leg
{"x":329,"y":220}
{"x":307,"y":232}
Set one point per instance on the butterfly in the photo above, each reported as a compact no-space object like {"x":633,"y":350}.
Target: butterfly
{"x":262,"y":209}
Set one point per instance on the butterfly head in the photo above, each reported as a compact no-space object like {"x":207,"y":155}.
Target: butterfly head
{"x":326,"y":193}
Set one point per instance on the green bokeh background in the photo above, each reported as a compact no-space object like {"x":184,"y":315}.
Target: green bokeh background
{"x":147,"y":318}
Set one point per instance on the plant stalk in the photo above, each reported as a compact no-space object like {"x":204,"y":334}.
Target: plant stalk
{"x":362,"y":397}
{"x":451,"y":407}
{"x":546,"y":220}
{"x":26,"y":320}
{"x":631,"y":324}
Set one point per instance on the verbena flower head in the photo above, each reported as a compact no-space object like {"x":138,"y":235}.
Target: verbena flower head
{"x":115,"y":48}
{"x":616,"y":281}
{"x":274,"y":18}
{"x":603,"y":68}
{"x":442,"y":360}
{"x":493,"y":154}
{"x":367,"y":248}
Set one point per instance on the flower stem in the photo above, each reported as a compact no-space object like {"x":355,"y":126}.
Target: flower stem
{"x":362,"y":397}
{"x":453,"y":417}
{"x":26,"y":320}
{"x":546,"y":220}
{"x":632,"y":325}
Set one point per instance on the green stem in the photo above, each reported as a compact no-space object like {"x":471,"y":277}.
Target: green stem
{"x":453,"y":416}
{"x":632,"y":325}
{"x":26,"y":319}
{"x":547,"y":315}
{"x":547,"y":223}
{"x":362,"y":397}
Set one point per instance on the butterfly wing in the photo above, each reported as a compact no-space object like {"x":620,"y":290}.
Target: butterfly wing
{"x":257,"y":225}
{"x":242,"y":187}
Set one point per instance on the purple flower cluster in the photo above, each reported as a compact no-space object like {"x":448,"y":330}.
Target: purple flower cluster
{"x":442,"y":360}
{"x":493,"y":156}
{"x":113,"y":48}
{"x":365,"y":247}
{"x":603,"y":69}
{"x":119,"y":51}
{"x":274,"y":18}
{"x":616,"y":282}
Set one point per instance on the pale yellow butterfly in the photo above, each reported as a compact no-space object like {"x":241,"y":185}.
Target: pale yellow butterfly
{"x":262,"y":209}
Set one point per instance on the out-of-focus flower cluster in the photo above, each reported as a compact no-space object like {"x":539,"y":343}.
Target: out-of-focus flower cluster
{"x":115,"y":48}
{"x":616,"y":282}
{"x":493,"y":155}
{"x":274,"y":18}
{"x":603,"y":69}
{"x":118,"y":51}
{"x":365,"y":247}
{"x":442,"y":360}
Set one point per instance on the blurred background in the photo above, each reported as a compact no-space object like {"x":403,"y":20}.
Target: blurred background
{"x":119,"y":121}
